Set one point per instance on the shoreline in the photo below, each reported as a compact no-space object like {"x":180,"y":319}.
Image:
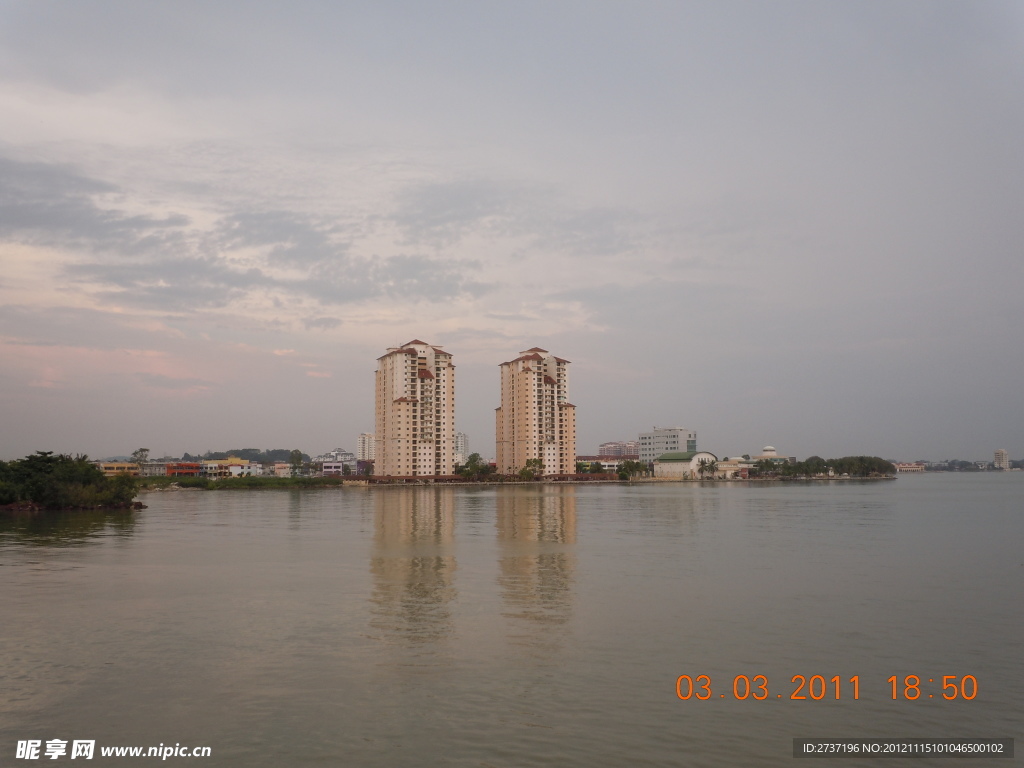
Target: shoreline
{"x":381,"y":483}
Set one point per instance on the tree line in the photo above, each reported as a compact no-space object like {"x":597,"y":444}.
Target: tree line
{"x":59,"y":481}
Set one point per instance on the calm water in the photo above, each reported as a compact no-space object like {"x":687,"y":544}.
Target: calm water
{"x":518,"y":626}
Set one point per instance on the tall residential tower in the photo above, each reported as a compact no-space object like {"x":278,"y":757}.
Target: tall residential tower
{"x":536,"y":419}
{"x":415,"y":432}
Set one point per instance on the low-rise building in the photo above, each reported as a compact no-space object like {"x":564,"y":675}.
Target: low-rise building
{"x":114,"y":468}
{"x":915,"y":466}
{"x":184,"y":469}
{"x":608,"y":463}
{"x":685,"y":465}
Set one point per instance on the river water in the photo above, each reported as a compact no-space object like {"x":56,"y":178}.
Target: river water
{"x":515,"y":626}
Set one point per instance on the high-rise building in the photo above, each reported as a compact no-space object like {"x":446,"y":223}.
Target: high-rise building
{"x":461,"y":447}
{"x":415,"y":424}
{"x":535,"y":419}
{"x":666,"y":440}
{"x":366,"y":447}
{"x":1002,"y":459}
{"x":619,"y":448}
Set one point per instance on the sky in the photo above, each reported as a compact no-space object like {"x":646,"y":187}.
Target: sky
{"x":786,"y":223}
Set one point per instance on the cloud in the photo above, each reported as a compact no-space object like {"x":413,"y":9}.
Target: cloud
{"x":51,"y":204}
{"x":159,"y":381}
{"x":324,"y":323}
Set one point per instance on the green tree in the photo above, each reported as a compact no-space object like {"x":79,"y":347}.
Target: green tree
{"x":474,"y":468}
{"x":140,"y":456}
{"x":630,"y":468}
{"x":707,"y":467}
{"x":582,"y":467}
{"x":596,"y":468}
{"x":533,"y":469}
{"x":295,"y":459}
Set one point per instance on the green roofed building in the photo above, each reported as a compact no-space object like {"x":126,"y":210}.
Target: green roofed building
{"x":682,"y":465}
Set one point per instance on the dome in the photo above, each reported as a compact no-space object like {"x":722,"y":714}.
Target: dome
{"x":768,"y":449}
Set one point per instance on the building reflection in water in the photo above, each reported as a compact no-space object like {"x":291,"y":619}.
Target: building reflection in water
{"x":536,"y":537}
{"x":413,"y":564}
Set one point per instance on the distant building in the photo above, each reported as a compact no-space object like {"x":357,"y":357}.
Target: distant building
{"x":114,"y":468}
{"x":153,"y":469}
{"x":366,"y":449}
{"x":768,"y":453}
{"x":684,"y":465}
{"x":184,"y":469}
{"x":915,"y":466}
{"x":333,"y":461}
{"x":608,"y":463}
{"x":1002,"y":459}
{"x":415,"y":411}
{"x":461,"y":448}
{"x":666,"y":440}
{"x":535,"y":419}
{"x":619,"y":448}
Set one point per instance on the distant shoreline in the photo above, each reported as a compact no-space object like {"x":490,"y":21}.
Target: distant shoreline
{"x":381,"y":483}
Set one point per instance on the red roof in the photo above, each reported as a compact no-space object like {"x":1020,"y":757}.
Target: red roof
{"x":549,"y":380}
{"x":536,"y":349}
{"x":415,"y":341}
{"x":423,"y":373}
{"x":407,"y":400}
{"x":561,"y":360}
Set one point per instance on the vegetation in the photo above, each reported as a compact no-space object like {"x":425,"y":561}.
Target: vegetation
{"x":854,"y":466}
{"x":61,"y":482}
{"x":630,"y":468}
{"x":475,"y":468}
{"x":707,"y":467}
{"x":534,"y":468}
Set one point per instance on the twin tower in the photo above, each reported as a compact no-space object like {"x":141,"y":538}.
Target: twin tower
{"x":415,"y":414}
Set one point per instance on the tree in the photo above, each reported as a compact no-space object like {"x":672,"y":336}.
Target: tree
{"x":596,"y":468}
{"x":534,"y":468}
{"x":295,"y":459}
{"x":346,"y":469}
{"x":475,"y":467}
{"x":582,"y":467}
{"x":62,"y":482}
{"x":707,"y":467}
{"x":140,"y":456}
{"x":630,"y":468}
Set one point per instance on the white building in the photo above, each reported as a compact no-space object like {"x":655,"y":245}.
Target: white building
{"x":666,"y":440}
{"x":685,"y":465}
{"x":338,"y":455}
{"x":461,"y":448}
{"x":366,"y":450}
{"x":1002,"y":459}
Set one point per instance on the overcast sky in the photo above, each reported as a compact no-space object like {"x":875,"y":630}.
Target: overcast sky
{"x":795,"y":223}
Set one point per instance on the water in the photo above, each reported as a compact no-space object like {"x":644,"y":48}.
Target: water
{"x":513,"y":626}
